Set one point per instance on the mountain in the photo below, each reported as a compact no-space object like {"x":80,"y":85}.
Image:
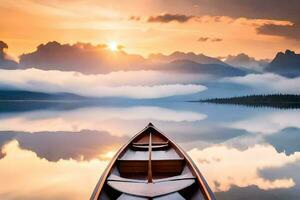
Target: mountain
{"x":188,"y":66}
{"x":286,"y":64}
{"x":8,"y":95}
{"x":199,"y":58}
{"x":246,"y":62}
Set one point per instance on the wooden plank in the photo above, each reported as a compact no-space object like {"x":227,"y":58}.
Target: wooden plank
{"x":149,"y":160}
{"x":150,"y":189}
{"x":156,"y":138}
{"x":186,"y":174}
{"x":169,"y":154}
{"x":114,"y":177}
{"x":133,"y":166}
{"x":154,"y":147}
{"x":153,"y":143}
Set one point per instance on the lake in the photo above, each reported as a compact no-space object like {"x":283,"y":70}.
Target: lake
{"x":59,"y":150}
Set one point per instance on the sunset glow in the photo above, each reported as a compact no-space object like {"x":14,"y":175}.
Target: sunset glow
{"x":149,"y":99}
{"x":113,"y":46}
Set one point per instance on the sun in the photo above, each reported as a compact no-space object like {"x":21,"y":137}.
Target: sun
{"x":113,"y":46}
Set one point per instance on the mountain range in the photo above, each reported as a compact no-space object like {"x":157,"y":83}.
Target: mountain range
{"x":286,"y":64}
{"x":93,"y":59}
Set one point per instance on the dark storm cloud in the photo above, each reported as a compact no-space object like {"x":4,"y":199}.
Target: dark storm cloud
{"x":166,"y":18}
{"x":54,"y":146}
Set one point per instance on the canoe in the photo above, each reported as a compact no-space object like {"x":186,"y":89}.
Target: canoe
{"x":151,"y":166}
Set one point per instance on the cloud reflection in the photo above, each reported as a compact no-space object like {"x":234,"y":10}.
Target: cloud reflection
{"x":225,"y":167}
{"x":53,"y":146}
{"x":26,"y":176}
{"x":269,"y":122}
{"x":92,"y":118}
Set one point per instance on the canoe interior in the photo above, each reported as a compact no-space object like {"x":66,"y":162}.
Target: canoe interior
{"x":151,"y":166}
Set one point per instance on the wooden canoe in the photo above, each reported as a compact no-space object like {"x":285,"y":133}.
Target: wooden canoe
{"x":151,"y":166}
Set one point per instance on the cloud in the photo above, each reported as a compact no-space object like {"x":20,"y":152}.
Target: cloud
{"x":135,"y":18}
{"x":5,"y":61}
{"x":81,"y":57}
{"x":287,"y":31}
{"x":206,"y":39}
{"x":3,"y":45}
{"x":256,"y":9}
{"x":203,"y":39}
{"x":254,"y":192}
{"x":216,"y":40}
{"x":166,"y":18}
{"x":118,"y":84}
{"x":94,"y":59}
{"x":267,"y":83}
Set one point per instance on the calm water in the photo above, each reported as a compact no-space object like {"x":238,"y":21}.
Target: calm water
{"x":59,"y":151}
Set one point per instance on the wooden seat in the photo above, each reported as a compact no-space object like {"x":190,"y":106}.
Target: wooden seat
{"x":150,"y":190}
{"x":147,"y":143}
{"x":114,"y":177}
{"x":131,"y":155}
{"x":168,"y":162}
{"x":146,"y":147}
{"x":172,"y":196}
{"x":186,"y":174}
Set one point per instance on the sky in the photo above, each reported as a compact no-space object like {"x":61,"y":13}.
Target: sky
{"x":213,"y":27}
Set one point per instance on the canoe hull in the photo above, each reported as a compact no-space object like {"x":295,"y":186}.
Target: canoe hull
{"x":152,"y":166}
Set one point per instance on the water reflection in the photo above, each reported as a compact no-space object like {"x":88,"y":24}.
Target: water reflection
{"x":240,"y":150}
{"x":53,"y":146}
{"x":26,"y":176}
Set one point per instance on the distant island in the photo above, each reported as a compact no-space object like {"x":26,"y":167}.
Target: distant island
{"x":271,"y":100}
{"x":23,"y":95}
